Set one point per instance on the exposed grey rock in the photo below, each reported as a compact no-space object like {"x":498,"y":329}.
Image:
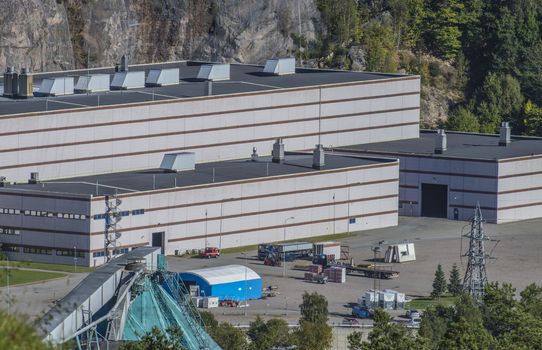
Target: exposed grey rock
{"x":358,"y":56}
{"x":47,"y":35}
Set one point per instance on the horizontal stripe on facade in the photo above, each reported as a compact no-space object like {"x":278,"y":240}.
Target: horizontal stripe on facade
{"x":423,"y":172}
{"x":240,"y":215}
{"x":37,"y":194}
{"x":470,"y":206}
{"x":179,"y":149}
{"x":261,"y":179}
{"x":274,"y":194}
{"x":521,"y":174}
{"x":409,"y":186}
{"x":142,"y":244}
{"x":519,"y":159}
{"x":521,"y":206}
{"x":283,"y":226}
{"x":213,"y":97}
{"x":473,"y":191}
{"x":198,"y":115}
{"x":196,"y":131}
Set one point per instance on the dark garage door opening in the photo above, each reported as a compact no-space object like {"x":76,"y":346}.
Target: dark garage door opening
{"x":435,"y":200}
{"x":158,"y":240}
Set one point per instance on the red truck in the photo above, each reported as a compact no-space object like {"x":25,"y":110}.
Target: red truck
{"x":210,"y":252}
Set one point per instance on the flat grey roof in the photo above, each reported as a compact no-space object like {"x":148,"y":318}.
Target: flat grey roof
{"x":205,"y":173}
{"x":243,"y":78}
{"x":460,"y":145}
{"x":77,"y":296}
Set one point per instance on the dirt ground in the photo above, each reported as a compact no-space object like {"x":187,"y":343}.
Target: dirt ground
{"x":516,"y":258}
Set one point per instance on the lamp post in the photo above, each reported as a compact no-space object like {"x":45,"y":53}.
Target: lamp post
{"x":283,"y":252}
{"x":246,"y":292}
{"x":74,"y":259}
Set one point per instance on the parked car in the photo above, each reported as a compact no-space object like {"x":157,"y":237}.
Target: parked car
{"x":412,"y":314}
{"x":414,"y":322}
{"x":210,"y":252}
{"x":350,"y":321}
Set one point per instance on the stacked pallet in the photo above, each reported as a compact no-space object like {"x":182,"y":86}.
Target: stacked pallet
{"x":336,"y":274}
{"x":315,"y":269}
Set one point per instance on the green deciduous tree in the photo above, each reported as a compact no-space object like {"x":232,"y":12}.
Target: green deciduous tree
{"x":355,"y":341}
{"x":454,"y":282}
{"x":389,"y":336}
{"x":462,"y":119}
{"x":532,"y":119}
{"x":157,"y":340}
{"x":266,"y":335}
{"x":228,"y":337}
{"x":439,"y":283}
{"x":463,"y":335}
{"x":16,"y":334}
{"x":314,"y":332}
{"x":442,"y":33}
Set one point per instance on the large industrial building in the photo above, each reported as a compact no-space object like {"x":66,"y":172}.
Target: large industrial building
{"x":446,"y":174}
{"x":216,"y":113}
{"x":222,"y":204}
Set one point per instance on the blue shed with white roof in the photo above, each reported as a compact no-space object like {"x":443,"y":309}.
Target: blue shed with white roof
{"x":236,"y":282}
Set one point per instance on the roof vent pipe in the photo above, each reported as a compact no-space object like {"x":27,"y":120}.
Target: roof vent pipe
{"x":318,"y":157}
{"x":34,"y":178}
{"x":123,"y":64}
{"x":440,"y":142}
{"x":208,"y":88}
{"x":254,"y":155}
{"x":505,"y":134}
{"x":278,"y":151}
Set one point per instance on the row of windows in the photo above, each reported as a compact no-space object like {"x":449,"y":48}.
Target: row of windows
{"x":69,"y":252}
{"x":115,"y":252}
{"x":43,"y":213}
{"x":41,"y":251}
{"x":9,"y":231}
{"x":121,"y":213}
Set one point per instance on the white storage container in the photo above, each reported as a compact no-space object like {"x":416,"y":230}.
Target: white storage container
{"x":386,"y":300}
{"x":210,"y":302}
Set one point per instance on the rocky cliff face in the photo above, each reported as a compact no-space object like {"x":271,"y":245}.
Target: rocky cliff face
{"x":64,"y":34}
{"x":34,"y":33}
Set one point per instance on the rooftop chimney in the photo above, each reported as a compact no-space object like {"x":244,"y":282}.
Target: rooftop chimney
{"x":26,"y":84}
{"x":440,"y":142}
{"x":208,"y":88}
{"x":505,"y":134}
{"x":123,"y":64}
{"x":318,"y":157}
{"x":11,"y":83}
{"x":34,"y":178}
{"x":278,"y":151}
{"x":254,"y":155}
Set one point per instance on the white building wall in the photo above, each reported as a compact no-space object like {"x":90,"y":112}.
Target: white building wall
{"x":249,"y":212}
{"x":115,"y":138}
{"x":520,"y":189}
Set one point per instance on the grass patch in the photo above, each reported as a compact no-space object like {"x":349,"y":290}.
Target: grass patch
{"x":17,"y":276}
{"x":44,"y":266}
{"x":426,"y":302}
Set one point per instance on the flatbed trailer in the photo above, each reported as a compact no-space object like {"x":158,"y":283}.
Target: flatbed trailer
{"x":369,"y":272}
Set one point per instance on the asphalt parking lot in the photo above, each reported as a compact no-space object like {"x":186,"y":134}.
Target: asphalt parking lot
{"x":516,"y":258}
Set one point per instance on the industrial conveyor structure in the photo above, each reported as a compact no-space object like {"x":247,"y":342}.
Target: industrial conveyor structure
{"x":124,"y":300}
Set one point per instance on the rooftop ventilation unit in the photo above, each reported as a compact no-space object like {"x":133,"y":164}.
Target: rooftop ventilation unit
{"x":179,"y":161}
{"x":280,"y":66}
{"x":125,"y":80}
{"x":441,"y":143}
{"x":163,"y":77}
{"x":278,"y":151}
{"x":318,"y":157}
{"x":214,"y":72}
{"x":11,"y":84}
{"x":505,"y":134}
{"x":92,"y":83}
{"x":57,"y":86}
{"x":26,"y":84}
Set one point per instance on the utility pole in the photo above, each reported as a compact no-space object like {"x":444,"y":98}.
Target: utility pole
{"x":74,"y":258}
{"x":475,"y":276}
{"x":283,"y":252}
{"x":375,"y":250}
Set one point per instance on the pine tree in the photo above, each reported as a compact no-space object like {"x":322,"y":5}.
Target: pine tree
{"x":439,"y":283}
{"x":454,"y":285}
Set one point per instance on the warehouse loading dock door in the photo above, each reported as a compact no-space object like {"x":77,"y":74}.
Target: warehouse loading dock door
{"x":158,"y":240}
{"x":435,"y":200}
